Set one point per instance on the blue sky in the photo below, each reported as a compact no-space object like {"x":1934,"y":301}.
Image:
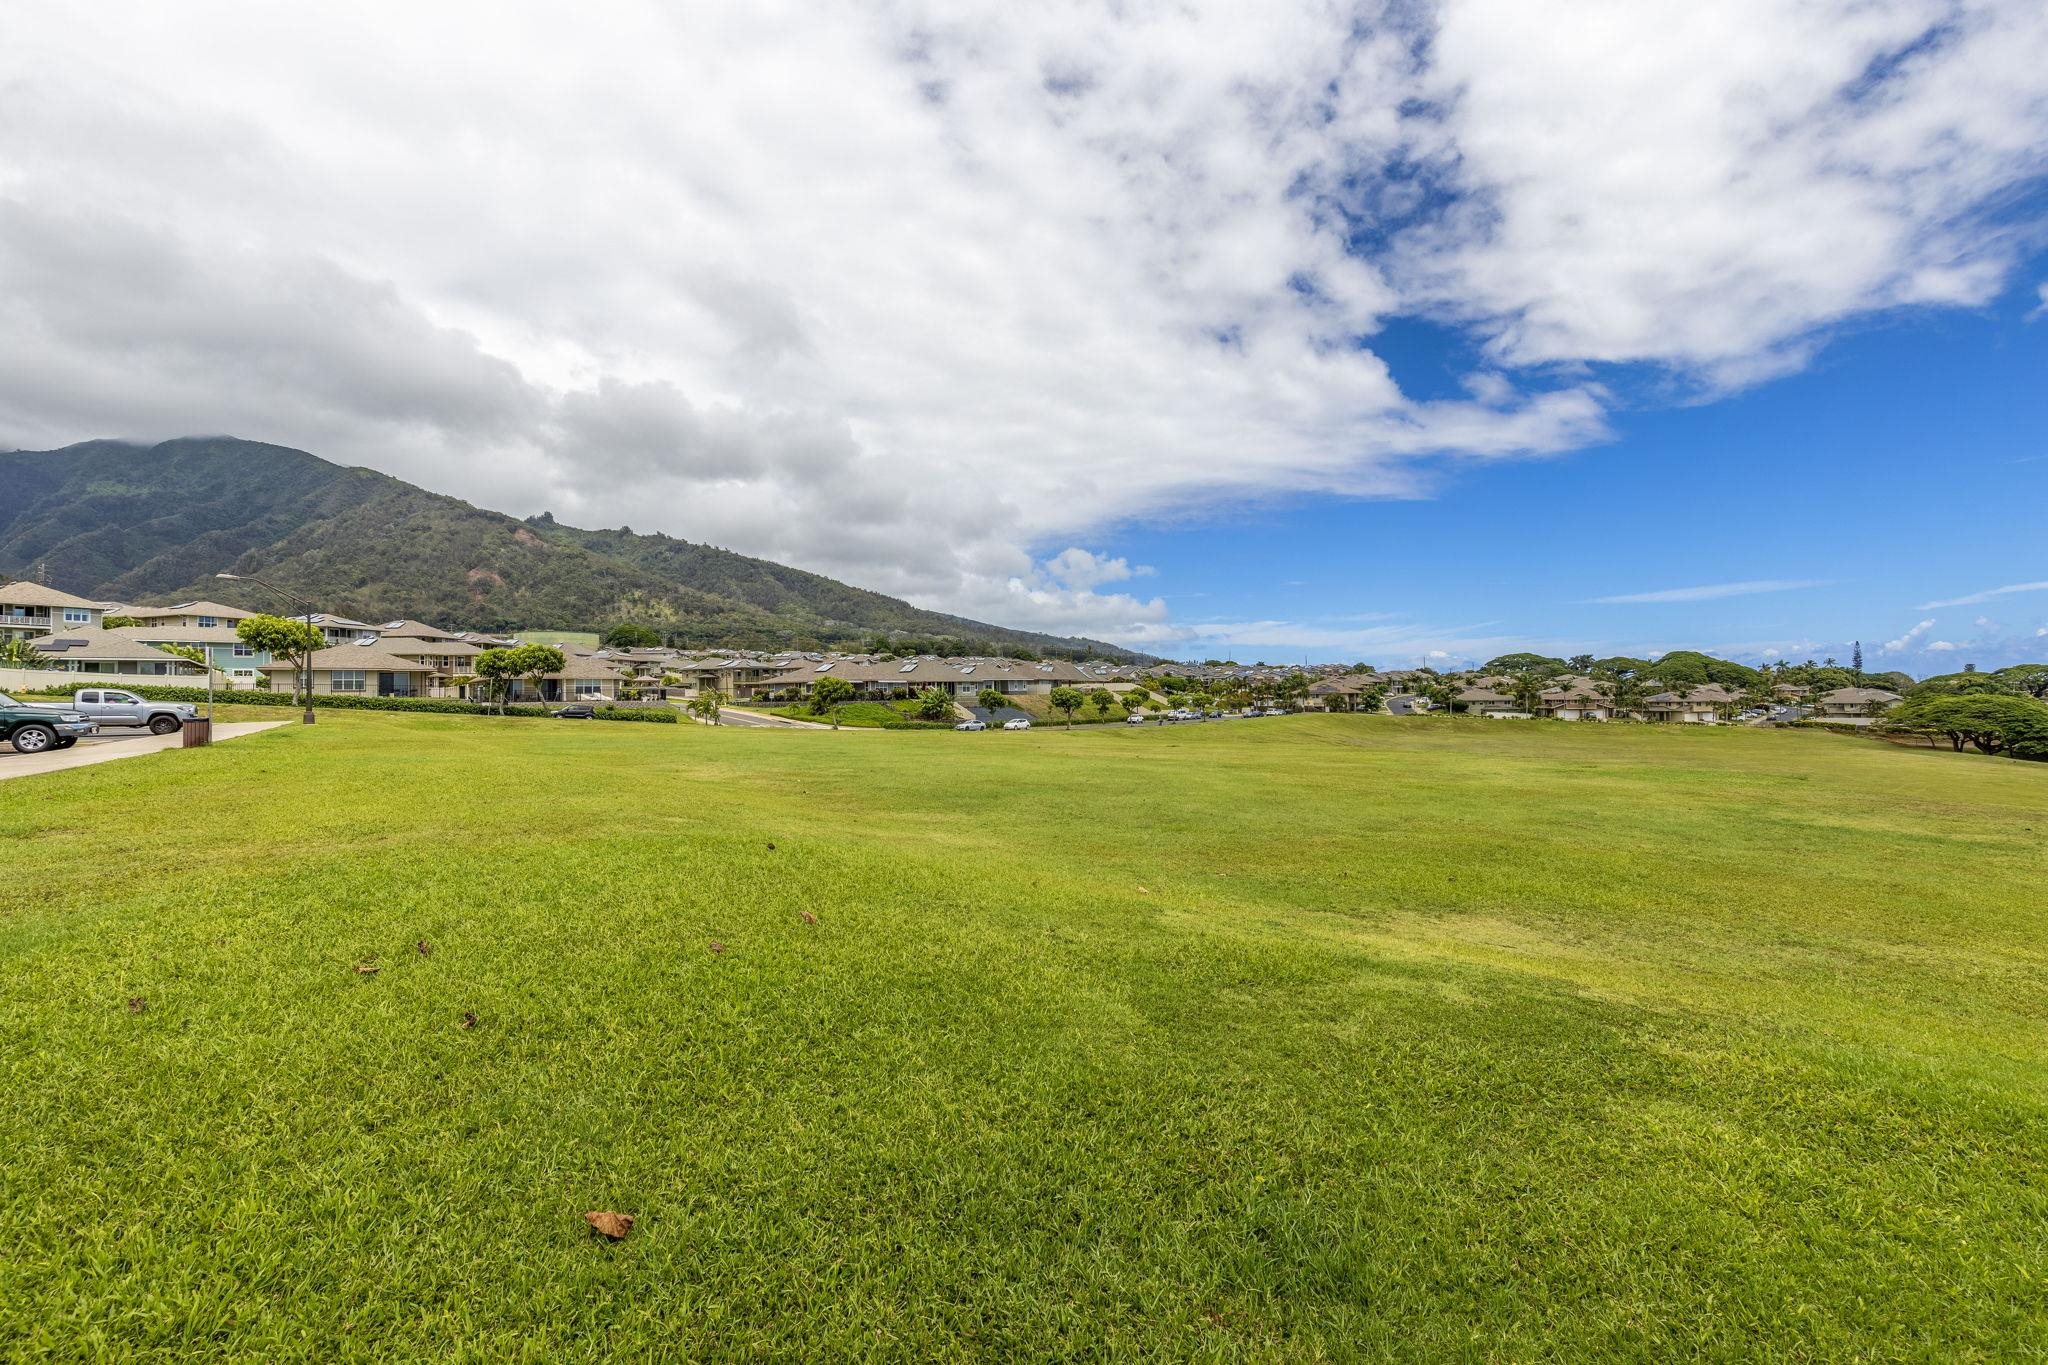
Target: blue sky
{"x":1381,"y":329}
{"x":1907,"y":466}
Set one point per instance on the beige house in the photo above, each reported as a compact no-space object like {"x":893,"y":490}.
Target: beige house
{"x":1576,"y":699}
{"x":904,"y":677}
{"x":188,"y":616}
{"x":361,"y":670}
{"x":89,"y":649}
{"x":450,"y":662}
{"x":31,"y":609}
{"x":1855,"y":705}
{"x":1485,"y":701}
{"x":240,"y":664}
{"x":1697,"y":706}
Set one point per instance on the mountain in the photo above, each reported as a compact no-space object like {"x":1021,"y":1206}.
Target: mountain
{"x":133,"y":523}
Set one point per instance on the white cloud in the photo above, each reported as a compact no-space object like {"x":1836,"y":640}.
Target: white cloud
{"x":1712,"y":591}
{"x":1939,"y":646}
{"x":1894,"y":646}
{"x":919,"y":294}
{"x":1985,"y":596}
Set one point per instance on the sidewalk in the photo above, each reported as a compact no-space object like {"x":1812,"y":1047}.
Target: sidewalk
{"x":106,"y":748}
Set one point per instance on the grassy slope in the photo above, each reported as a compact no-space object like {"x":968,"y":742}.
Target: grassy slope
{"x":1333,"y":1036}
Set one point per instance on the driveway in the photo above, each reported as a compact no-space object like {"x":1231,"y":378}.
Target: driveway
{"x":755,"y":720}
{"x":106,"y":747}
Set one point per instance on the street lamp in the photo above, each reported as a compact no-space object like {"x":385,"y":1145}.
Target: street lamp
{"x":306,"y":678}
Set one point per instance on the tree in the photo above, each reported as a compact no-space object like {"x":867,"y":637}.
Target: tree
{"x":498,"y":669}
{"x":1856,"y":662}
{"x":991,"y":700}
{"x":1528,"y":692}
{"x":1101,"y":699}
{"x":1623,"y":692}
{"x":934,"y":703}
{"x":535,"y":662}
{"x":192,"y":654}
{"x":20,"y":654}
{"x":706,"y":704}
{"x":828,"y":695}
{"x":1374,"y":699}
{"x":1068,"y":700}
{"x":1441,"y":694}
{"x":1992,"y":723}
{"x":630,"y":635}
{"x":118,"y":622}
{"x":1581,"y":663}
{"x":283,"y":637}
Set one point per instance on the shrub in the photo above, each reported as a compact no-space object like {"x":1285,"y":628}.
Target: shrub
{"x":657,"y":715}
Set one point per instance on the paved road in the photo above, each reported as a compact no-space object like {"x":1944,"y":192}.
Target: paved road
{"x":106,"y":747}
{"x":755,"y":720}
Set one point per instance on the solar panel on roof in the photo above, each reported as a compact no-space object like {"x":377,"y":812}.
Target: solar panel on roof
{"x":910,"y":667}
{"x":822,"y":667}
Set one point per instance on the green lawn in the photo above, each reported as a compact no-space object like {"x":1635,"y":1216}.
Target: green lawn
{"x":1324,"y":1037}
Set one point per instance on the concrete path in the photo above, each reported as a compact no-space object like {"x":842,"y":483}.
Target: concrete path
{"x":105,"y":748}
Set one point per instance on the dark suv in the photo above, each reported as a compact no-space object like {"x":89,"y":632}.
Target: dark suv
{"x":37,"y":729}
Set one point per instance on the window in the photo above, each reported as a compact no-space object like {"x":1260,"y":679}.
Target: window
{"x":208,"y":622}
{"x":124,"y":698}
{"x":345,"y":680}
{"x":590,"y":689}
{"x":77,"y":616}
{"x":242,"y":673}
{"x":88,"y":697}
{"x":244,"y":652}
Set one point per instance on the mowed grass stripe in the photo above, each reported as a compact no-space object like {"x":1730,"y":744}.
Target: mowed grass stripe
{"x":1334,"y":1037}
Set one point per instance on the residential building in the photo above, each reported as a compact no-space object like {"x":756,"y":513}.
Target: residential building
{"x":241,"y":664}
{"x":1575,"y":699}
{"x":1855,"y":704}
{"x":28,"y":610}
{"x":89,"y":649}
{"x":187,"y":615}
{"x":363,"y":669}
{"x":1485,"y":701}
{"x":964,"y":678}
{"x":1695,"y":706}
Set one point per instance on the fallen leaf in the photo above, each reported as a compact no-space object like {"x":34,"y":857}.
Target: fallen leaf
{"x":469,"y":1018}
{"x":424,"y":947}
{"x":612,"y":1225}
{"x":1144,"y":890}
{"x":771,"y":848}
{"x":716,"y":946}
{"x":809,"y":918}
{"x":367,"y":969}
{"x":136,"y":1004}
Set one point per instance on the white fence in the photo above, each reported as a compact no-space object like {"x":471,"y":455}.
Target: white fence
{"x":31,"y":679}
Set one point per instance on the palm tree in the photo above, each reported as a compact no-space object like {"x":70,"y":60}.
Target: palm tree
{"x":1528,"y":692}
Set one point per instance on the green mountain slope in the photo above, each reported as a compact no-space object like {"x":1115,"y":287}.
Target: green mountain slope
{"x":155,"y":523}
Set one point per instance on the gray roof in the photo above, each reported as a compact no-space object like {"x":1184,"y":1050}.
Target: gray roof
{"x":38,"y":595}
{"x":107,"y":646}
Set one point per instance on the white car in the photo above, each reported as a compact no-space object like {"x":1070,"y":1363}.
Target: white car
{"x":970,"y":725}
{"x":1137,"y":718}
{"x":1018,"y":724}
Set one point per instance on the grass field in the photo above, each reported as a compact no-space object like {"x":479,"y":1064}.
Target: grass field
{"x":1335,"y":1038}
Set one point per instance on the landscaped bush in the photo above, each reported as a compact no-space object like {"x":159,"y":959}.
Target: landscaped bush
{"x":657,"y":715}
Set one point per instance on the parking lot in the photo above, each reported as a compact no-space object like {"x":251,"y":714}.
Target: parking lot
{"x":109,"y":745}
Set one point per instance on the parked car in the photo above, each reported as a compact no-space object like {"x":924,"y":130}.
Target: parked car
{"x":1020,"y":723}
{"x":575,"y":710}
{"x":1136,"y":718}
{"x":1272,"y":711}
{"x":111,"y":706}
{"x":970,"y":725}
{"x":37,"y":729}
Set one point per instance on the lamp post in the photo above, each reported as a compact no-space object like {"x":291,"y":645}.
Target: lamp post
{"x":306,"y":673}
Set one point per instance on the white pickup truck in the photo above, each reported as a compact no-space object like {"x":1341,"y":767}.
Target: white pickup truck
{"x":110,"y":706}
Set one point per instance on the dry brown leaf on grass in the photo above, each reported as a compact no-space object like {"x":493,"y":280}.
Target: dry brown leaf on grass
{"x":367,"y":969}
{"x":613,"y":1226}
{"x":424,"y":947}
{"x":716,"y":946}
{"x":469,"y":1018}
{"x":809,"y":918}
{"x":136,"y":1004}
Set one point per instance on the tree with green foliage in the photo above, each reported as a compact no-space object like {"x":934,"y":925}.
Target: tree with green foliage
{"x":535,"y":662}
{"x":1623,"y":692}
{"x":119,"y":622}
{"x":1528,"y":692}
{"x":1102,"y":699}
{"x":1374,"y":699}
{"x":287,"y":638}
{"x":630,"y":635}
{"x":828,"y":695}
{"x":192,"y":654}
{"x":991,"y":700}
{"x":1581,"y":663}
{"x":21,"y":654}
{"x":498,"y":670}
{"x":1541,"y":664}
{"x":1991,"y":723}
{"x":1067,"y":700}
{"x":1441,"y":693}
{"x":2031,"y":679}
{"x":934,"y":703}
{"x":707,"y":704}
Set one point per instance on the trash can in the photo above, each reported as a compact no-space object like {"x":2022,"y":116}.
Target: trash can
{"x":198,"y":731}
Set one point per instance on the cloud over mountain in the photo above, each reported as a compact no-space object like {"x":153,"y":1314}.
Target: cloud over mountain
{"x":925,"y":295}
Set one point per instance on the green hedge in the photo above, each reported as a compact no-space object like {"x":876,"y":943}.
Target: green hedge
{"x":343,"y":701}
